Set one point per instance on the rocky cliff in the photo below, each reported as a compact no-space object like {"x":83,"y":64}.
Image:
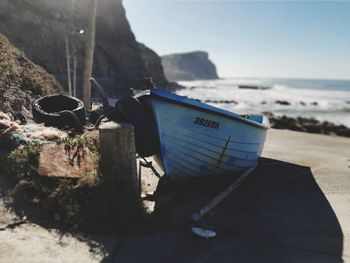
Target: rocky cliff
{"x":21,"y":81}
{"x":39,"y":28}
{"x":153,"y":64}
{"x":189,"y":66}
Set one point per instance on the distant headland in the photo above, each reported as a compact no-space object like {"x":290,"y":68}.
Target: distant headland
{"x":194,"y":65}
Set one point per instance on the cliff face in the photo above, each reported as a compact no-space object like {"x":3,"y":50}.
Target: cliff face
{"x":189,"y":66}
{"x":21,"y":81}
{"x":153,"y":64}
{"x":39,"y":28}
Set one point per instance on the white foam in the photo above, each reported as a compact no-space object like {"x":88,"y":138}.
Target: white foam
{"x":322,"y":104}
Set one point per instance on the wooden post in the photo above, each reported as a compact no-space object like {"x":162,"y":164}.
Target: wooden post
{"x":89,"y":53}
{"x":118,"y":154}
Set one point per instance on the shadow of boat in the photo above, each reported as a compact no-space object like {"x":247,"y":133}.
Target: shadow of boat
{"x":279,"y":214}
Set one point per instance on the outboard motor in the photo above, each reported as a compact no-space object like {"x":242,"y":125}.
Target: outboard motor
{"x":129,"y":109}
{"x":146,"y":138}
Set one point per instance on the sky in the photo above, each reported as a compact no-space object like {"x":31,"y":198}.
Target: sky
{"x":294,"y":39}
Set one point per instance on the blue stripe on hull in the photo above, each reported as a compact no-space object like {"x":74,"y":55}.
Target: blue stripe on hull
{"x":190,"y":150}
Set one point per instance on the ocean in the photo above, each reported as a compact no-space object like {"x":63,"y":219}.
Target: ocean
{"x":324,"y":100}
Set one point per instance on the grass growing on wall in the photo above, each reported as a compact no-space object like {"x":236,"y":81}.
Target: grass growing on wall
{"x":90,"y":203}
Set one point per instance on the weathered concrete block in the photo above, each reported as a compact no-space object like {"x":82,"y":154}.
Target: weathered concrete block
{"x":118,"y":153}
{"x":56,"y":161}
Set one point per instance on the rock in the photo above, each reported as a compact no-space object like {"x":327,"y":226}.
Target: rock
{"x":154,"y":68}
{"x":312,"y":128}
{"x":38,"y":28}
{"x":6,"y":130}
{"x":253,"y":87}
{"x":285,"y":122}
{"x":268,"y":114}
{"x":342,"y":131}
{"x":5,"y":117}
{"x":221,"y":101}
{"x":309,"y":125}
{"x":189,"y":66}
{"x":282,"y":102}
{"x":21,"y":81}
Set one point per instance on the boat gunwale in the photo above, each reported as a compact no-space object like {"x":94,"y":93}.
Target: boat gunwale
{"x":221,"y":113}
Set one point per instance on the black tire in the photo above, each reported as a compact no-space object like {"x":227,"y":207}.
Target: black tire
{"x":72,"y":121}
{"x":47,"y":110}
{"x":146,"y":138}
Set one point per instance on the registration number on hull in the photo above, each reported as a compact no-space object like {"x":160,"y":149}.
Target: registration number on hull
{"x":207,"y":123}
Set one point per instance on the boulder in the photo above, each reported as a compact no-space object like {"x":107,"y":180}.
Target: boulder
{"x":282,"y":102}
{"x":309,"y":125}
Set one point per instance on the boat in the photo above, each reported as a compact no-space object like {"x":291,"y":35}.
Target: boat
{"x":197,"y":139}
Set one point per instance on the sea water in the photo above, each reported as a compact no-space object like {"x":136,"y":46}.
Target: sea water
{"x":324,"y":100}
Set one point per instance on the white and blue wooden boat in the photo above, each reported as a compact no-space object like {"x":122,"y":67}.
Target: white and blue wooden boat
{"x":197,"y":139}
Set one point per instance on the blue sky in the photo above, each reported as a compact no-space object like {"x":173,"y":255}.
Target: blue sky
{"x":244,"y":39}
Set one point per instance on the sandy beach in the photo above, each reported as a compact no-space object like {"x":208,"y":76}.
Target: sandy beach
{"x":294,"y":208}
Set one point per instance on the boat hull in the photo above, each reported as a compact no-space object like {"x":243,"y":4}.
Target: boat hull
{"x":196,"y":143}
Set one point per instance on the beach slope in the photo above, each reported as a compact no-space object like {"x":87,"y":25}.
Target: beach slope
{"x":293,"y":208}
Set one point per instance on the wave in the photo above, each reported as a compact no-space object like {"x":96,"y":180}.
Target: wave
{"x":323,"y":104}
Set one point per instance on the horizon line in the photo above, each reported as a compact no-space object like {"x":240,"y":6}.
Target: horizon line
{"x":271,"y":77}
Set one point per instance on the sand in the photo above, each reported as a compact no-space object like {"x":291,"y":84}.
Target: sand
{"x":294,"y":208}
